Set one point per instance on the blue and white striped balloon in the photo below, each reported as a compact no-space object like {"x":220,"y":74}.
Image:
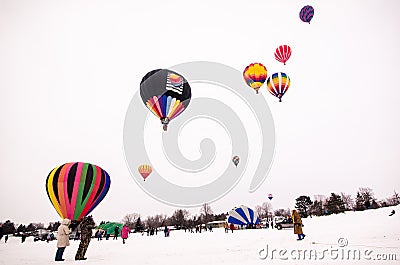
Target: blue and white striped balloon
{"x":243,"y":215}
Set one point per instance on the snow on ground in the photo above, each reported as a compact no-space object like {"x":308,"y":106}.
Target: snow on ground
{"x":372,"y":231}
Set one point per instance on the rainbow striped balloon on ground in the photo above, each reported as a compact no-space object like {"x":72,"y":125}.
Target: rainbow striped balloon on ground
{"x":165,"y":93}
{"x":75,"y":189}
{"x":306,"y":14}
{"x":278,"y":84}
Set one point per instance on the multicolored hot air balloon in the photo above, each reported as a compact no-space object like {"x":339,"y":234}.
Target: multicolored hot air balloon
{"x":270,"y":196}
{"x":282,"y":53}
{"x":145,"y":171}
{"x":278,"y":84}
{"x":243,"y":215}
{"x":255,"y":75}
{"x":75,"y":189}
{"x":236,"y":160}
{"x":165,"y":93}
{"x":306,"y":14}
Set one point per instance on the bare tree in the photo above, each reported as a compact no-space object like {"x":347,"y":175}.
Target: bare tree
{"x":260,"y":211}
{"x":348,"y":201}
{"x":207,"y":212}
{"x":130,"y":220}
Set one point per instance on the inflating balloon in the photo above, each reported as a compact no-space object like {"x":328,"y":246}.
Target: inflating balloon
{"x":306,"y":14}
{"x":255,"y":75}
{"x":278,"y":84}
{"x":145,"y":171}
{"x":282,"y":53}
{"x":236,"y":160}
{"x":75,"y":189}
{"x":165,"y":93}
{"x":243,"y":216}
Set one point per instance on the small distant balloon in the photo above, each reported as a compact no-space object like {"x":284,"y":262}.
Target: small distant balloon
{"x":236,"y":160}
{"x":278,"y":84}
{"x":255,"y":75}
{"x":145,"y":171}
{"x":306,"y":14}
{"x":282,"y":53}
{"x":270,"y":196}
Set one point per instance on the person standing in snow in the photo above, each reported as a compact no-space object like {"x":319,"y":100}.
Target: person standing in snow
{"x":87,"y":224}
{"x":125,"y":233}
{"x":116,"y":232}
{"x":62,"y":238}
{"x":165,"y":231}
{"x":232,"y":227}
{"x":298,"y":225}
{"x":5,"y":239}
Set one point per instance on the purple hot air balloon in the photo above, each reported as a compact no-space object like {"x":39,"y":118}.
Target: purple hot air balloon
{"x":306,"y":14}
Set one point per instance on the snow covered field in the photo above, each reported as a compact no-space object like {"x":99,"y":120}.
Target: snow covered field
{"x":370,"y":233}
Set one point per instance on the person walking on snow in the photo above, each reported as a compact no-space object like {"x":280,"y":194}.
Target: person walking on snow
{"x":62,"y":238}
{"x":298,"y":225}
{"x":125,"y":233}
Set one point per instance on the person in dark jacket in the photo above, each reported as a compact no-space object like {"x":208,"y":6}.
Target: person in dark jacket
{"x":116,"y":232}
{"x":87,"y":224}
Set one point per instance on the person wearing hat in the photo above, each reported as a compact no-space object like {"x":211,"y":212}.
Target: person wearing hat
{"x":62,"y":238}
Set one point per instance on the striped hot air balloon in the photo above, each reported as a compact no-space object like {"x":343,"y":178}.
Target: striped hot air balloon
{"x":282,"y":53}
{"x":75,"y":189}
{"x":165,"y":93}
{"x":306,"y":14}
{"x":255,"y":75}
{"x":145,"y":171}
{"x":243,"y":215}
{"x":278,"y":84}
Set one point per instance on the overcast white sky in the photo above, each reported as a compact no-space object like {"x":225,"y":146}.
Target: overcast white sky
{"x":68,"y":71}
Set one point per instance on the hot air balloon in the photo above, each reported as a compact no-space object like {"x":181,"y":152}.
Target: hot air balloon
{"x":236,"y":160}
{"x":278,"y":84}
{"x":145,"y":171}
{"x":243,"y":216}
{"x":255,"y":75}
{"x":306,"y":14}
{"x":270,"y":196}
{"x":282,"y":53}
{"x":75,"y":189}
{"x":165,"y":93}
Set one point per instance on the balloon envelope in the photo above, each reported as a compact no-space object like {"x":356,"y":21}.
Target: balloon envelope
{"x":270,"y":196}
{"x":235,"y":160}
{"x":109,"y":227}
{"x":165,"y":93}
{"x":75,"y":189}
{"x":282,"y":53}
{"x":255,"y":75}
{"x":243,"y":216}
{"x":278,"y":84}
{"x":145,"y":171}
{"x":306,"y":14}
